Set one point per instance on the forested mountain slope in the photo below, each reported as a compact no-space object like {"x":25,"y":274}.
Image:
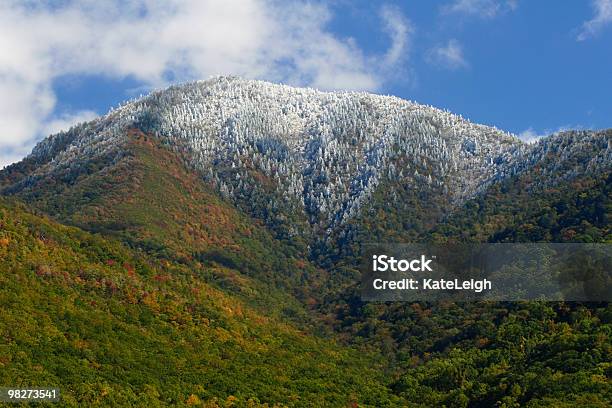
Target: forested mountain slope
{"x":262,"y":195}
{"x":562,"y":183}
{"x":149,"y":200}
{"x":482,"y":354}
{"x":304,"y":161}
{"x":113,"y":327}
{"x":307,"y":162}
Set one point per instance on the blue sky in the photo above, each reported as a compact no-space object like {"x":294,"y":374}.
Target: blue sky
{"x":524,"y":68}
{"x":529,"y":67}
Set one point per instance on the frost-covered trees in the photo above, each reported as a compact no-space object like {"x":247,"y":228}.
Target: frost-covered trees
{"x":324,"y":154}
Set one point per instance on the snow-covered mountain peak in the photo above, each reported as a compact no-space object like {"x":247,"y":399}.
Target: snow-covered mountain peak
{"x":325,"y":152}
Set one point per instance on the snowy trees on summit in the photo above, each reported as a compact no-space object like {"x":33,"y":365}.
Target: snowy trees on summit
{"x":323,"y":153}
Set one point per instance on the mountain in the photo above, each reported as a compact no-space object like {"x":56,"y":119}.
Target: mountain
{"x":263,"y":195}
{"x":111,"y":326}
{"x":320,"y":155}
{"x":304,"y":161}
{"x":153,"y":203}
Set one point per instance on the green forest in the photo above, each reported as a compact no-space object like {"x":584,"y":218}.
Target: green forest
{"x":121,"y":296}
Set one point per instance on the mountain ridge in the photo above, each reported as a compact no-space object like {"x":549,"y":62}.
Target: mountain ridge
{"x":258,"y":245}
{"x":319,"y":155}
{"x":290,"y":136}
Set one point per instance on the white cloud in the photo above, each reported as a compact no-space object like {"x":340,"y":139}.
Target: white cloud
{"x":448,"y":56}
{"x":155,"y":42}
{"x":399,"y":30}
{"x":67,"y":120}
{"x":602,"y":17}
{"x":530,"y":135}
{"x":10,"y":155}
{"x":481,"y":8}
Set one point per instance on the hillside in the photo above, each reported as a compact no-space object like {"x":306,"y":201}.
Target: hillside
{"x":308,"y":163}
{"x":260,"y":196}
{"x":302,"y":160}
{"x":110,"y":327}
{"x":562,"y":179}
{"x":480,"y":354}
{"x":150,"y":201}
